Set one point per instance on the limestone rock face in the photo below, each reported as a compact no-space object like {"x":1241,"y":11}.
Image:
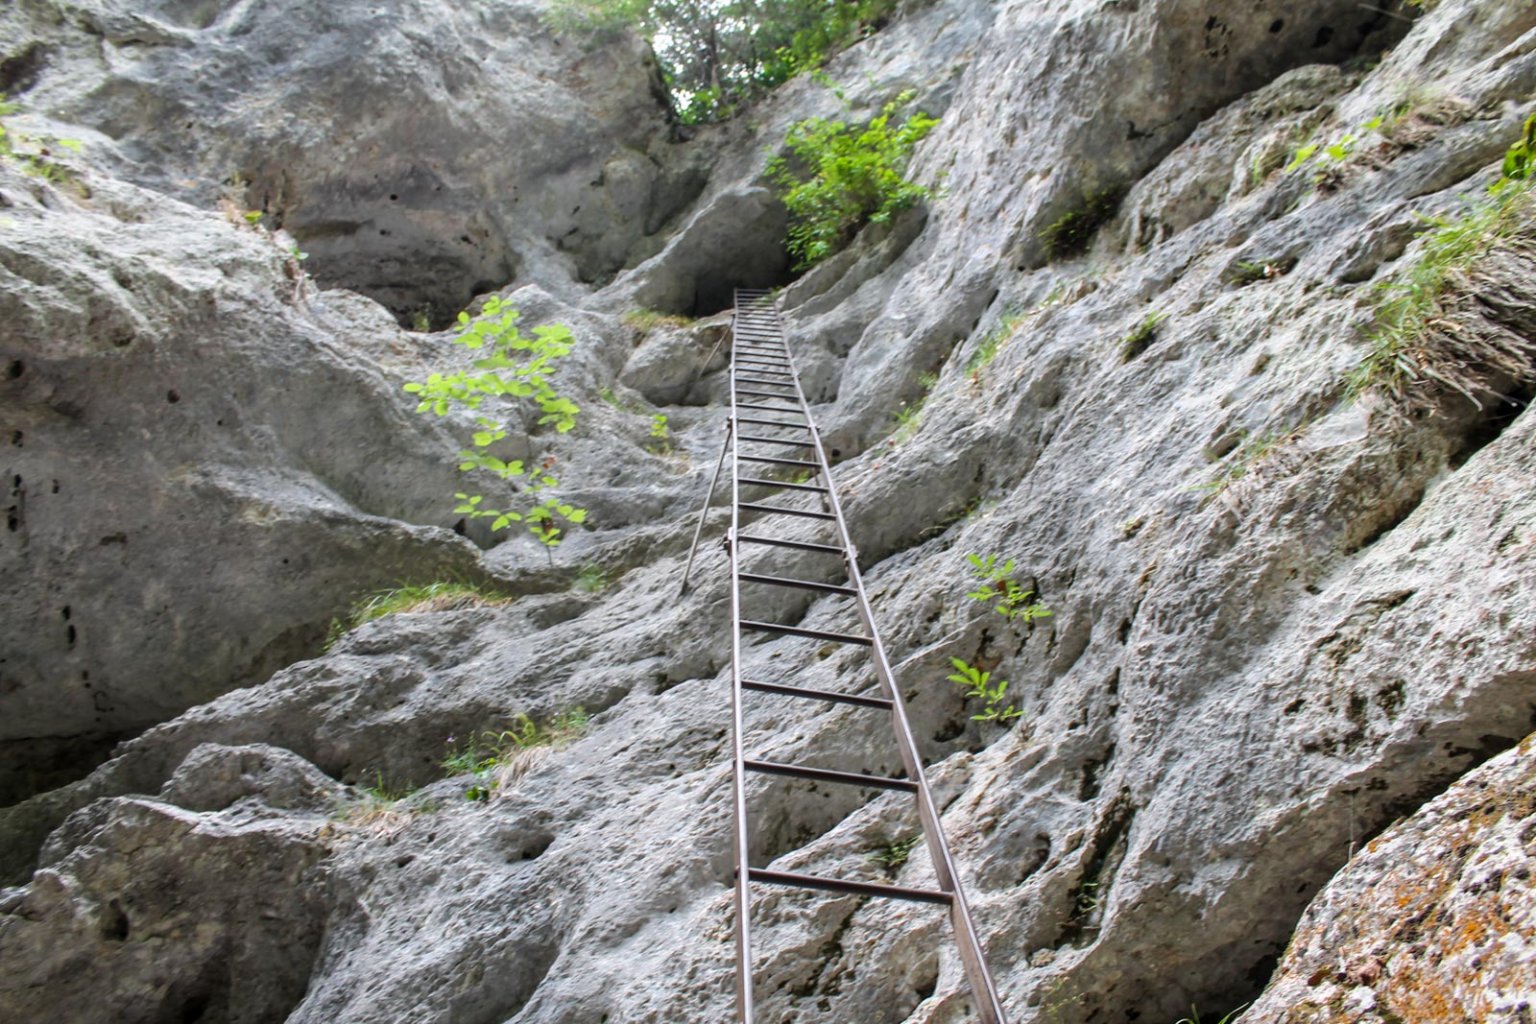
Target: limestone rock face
{"x":422,"y":152}
{"x":1281,"y":620}
{"x":182,"y":417}
{"x":1433,"y":920}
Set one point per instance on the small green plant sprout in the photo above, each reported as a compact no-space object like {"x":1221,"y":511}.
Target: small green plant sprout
{"x":978,"y":684}
{"x":516,"y":369}
{"x":996,"y":583}
{"x":909,"y":416}
{"x":661,"y":435}
{"x":894,"y":855}
{"x":421,"y":319}
{"x":1140,"y":337}
{"x":253,"y":217}
{"x":842,"y":178}
{"x":592,"y":579}
{"x":1520,"y":161}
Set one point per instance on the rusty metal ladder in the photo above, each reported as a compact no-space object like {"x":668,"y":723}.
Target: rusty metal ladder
{"x":771,"y":426}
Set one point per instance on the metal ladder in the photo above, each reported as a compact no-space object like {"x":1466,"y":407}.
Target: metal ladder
{"x":770,"y":426}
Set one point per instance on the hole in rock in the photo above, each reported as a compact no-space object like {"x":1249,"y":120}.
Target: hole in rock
{"x":19,"y":73}
{"x":114,"y":925}
{"x":173,"y":396}
{"x":1276,"y":25}
{"x":14,"y":369}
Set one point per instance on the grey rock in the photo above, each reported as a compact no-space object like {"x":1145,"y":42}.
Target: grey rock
{"x":1254,"y":654}
{"x":1431,"y":920}
{"x":505,"y":148}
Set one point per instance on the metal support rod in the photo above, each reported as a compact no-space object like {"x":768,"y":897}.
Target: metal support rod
{"x":698,"y":531}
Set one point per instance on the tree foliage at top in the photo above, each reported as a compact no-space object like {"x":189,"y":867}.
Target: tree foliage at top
{"x":719,"y":54}
{"x":841,"y":178}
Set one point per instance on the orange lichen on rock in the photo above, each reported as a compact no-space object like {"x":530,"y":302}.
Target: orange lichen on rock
{"x":1435,"y":920}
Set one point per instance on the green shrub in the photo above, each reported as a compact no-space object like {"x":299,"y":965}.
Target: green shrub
{"x":518,"y":370}
{"x":843,"y":178}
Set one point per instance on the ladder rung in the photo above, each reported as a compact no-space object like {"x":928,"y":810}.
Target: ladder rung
{"x":770,"y":440}
{"x":827,"y":695}
{"x":785,"y":581}
{"x":770,"y":394}
{"x":771,"y":408}
{"x":814,"y":634}
{"x":798,"y":771}
{"x":778,"y":462}
{"x":765,"y":383}
{"x":772,"y":423}
{"x":764,"y":343}
{"x":798,"y":545}
{"x":784,"y":484}
{"x":897,"y":892}
{"x":804,"y":513}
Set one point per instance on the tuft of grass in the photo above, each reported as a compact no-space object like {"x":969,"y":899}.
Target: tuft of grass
{"x":1007,"y":325}
{"x":1141,"y":336}
{"x":909,"y":417}
{"x":499,"y":757}
{"x":376,"y":807}
{"x":1243,"y":460}
{"x":442,"y":596}
{"x":647,"y":320}
{"x":1070,"y":234}
{"x":894,"y":855}
{"x":1415,"y":344}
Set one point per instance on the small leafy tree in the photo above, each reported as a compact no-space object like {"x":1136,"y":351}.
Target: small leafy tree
{"x":843,"y":178}
{"x":997,"y":584}
{"x":517,"y":369}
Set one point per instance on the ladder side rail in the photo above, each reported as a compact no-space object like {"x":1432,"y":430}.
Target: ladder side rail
{"x":744,"y":1003}
{"x":984,"y":991}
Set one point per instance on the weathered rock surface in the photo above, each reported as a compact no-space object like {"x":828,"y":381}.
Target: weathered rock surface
{"x":1259,"y":657}
{"x":422,"y":152}
{"x":1434,"y":920}
{"x":183,"y":416}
